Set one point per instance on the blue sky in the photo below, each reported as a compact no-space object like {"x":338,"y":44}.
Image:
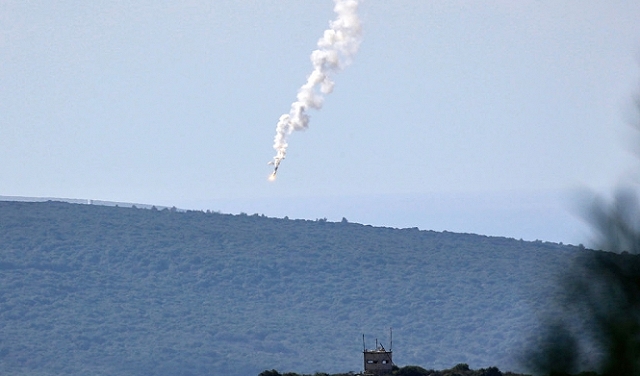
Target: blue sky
{"x":463,"y":116}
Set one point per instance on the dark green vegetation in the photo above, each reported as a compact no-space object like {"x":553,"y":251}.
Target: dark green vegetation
{"x":598,"y":326}
{"x":98,"y":290}
{"x":459,"y":370}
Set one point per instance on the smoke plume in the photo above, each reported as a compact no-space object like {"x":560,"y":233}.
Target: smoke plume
{"x":335,"y":50}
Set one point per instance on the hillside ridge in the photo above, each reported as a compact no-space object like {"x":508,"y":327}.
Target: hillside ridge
{"x":113,"y":290}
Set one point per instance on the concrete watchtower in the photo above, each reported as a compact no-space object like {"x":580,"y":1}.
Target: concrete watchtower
{"x":379,"y":361}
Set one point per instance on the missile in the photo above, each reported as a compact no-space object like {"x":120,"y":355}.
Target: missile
{"x":276,"y":164}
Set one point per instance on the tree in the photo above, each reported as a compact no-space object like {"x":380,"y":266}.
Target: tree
{"x":273,"y":372}
{"x":411,"y":371}
{"x":600,"y":323}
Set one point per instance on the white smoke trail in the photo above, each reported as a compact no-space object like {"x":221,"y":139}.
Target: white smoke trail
{"x":335,"y":50}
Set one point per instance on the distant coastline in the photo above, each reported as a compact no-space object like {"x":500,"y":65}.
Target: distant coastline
{"x":82,"y":201}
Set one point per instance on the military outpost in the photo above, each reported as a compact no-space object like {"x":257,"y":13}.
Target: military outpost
{"x":378,"y":361}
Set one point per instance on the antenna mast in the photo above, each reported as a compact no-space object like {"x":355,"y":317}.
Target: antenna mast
{"x":391,"y":339}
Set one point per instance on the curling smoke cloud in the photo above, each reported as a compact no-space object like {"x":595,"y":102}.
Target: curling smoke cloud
{"x":335,"y":50}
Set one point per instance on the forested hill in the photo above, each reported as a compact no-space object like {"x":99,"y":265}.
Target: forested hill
{"x":87,"y":289}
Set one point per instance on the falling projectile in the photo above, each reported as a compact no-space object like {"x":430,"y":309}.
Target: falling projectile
{"x":335,"y":50}
{"x":276,"y":164}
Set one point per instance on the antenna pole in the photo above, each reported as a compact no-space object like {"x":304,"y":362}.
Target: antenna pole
{"x":364,"y":347}
{"x":391,"y":338}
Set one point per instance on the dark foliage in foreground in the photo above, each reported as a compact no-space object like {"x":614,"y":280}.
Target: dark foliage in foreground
{"x":459,"y":370}
{"x":599,"y":327}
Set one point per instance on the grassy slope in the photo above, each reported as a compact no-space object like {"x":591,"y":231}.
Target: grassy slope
{"x":105,"y":290}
